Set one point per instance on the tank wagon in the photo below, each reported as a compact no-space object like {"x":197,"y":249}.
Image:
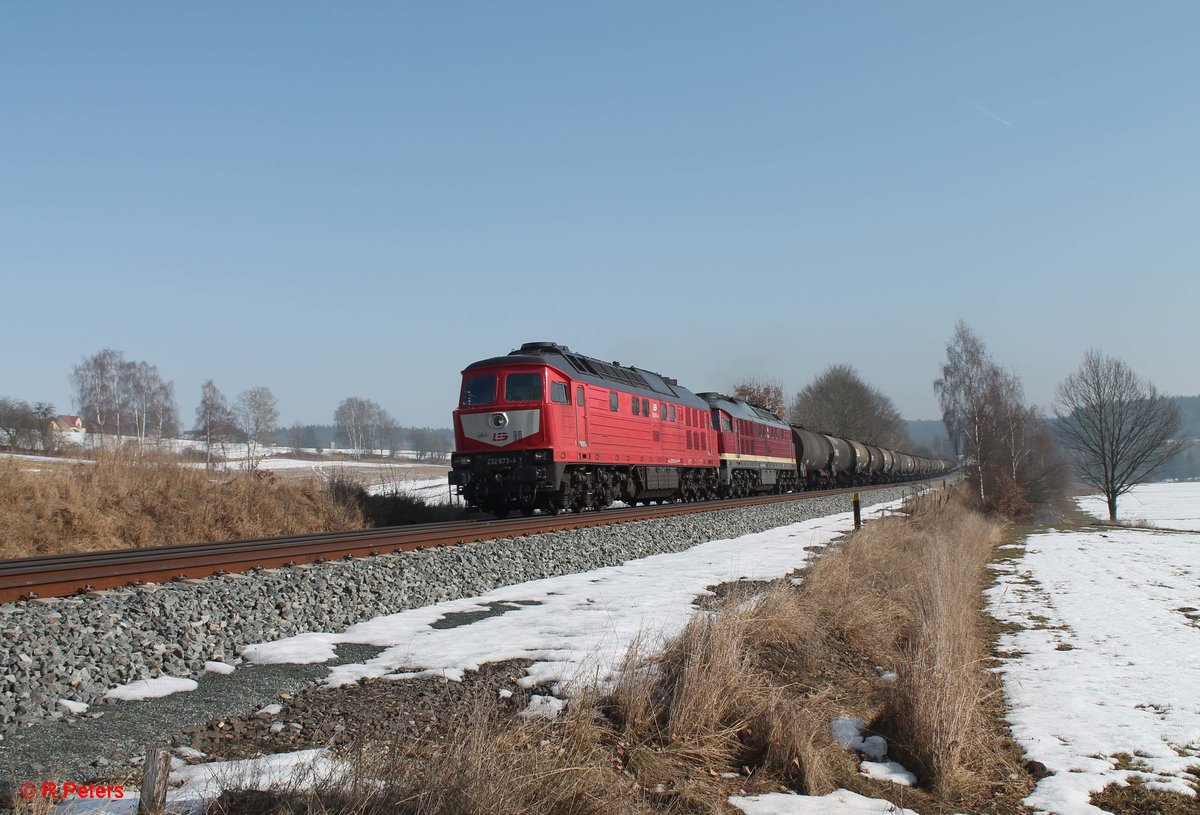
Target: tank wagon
{"x":545,"y":428}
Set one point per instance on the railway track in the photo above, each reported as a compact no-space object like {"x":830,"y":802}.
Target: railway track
{"x":63,"y":575}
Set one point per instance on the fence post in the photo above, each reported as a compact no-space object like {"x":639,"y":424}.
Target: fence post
{"x":857,"y":512}
{"x":153,"y":799}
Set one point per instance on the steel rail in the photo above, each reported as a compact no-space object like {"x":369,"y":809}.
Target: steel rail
{"x":62,"y":575}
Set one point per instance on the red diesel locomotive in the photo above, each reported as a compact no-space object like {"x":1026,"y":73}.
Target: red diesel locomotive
{"x":547,"y":429}
{"x":544,"y":428}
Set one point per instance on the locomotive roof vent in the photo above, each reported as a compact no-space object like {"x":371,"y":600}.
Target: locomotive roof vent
{"x":542,"y":348}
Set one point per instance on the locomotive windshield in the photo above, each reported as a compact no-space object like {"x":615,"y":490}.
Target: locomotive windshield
{"x":479,"y":390}
{"x":523,"y":388}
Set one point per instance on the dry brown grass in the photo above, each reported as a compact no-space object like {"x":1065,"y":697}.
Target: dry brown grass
{"x":755,"y":683}
{"x":718,"y":699}
{"x":147,"y":500}
{"x":1135,"y":798}
{"x":936,"y":712}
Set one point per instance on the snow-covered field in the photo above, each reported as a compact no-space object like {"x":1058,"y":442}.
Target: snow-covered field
{"x":1104,"y":682}
{"x":1170,"y":505}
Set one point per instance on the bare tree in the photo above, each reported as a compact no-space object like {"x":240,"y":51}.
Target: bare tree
{"x":97,"y":384}
{"x":354,"y":421}
{"x":163,"y":410}
{"x":1117,"y":424}
{"x":838,"y":401}
{"x":429,"y":443}
{"x":391,"y":435}
{"x":214,"y":419}
{"x":364,"y":425}
{"x":44,"y":416}
{"x":767,"y":394}
{"x":18,"y":424}
{"x":150,"y":401}
{"x":966,"y":390}
{"x":255,"y":414}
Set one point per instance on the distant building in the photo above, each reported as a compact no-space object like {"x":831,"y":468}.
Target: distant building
{"x":68,"y":424}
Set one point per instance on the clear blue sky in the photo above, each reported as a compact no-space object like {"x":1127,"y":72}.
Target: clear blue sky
{"x":338,"y":199}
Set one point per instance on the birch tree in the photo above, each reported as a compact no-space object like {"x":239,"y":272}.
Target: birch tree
{"x":214,"y":419}
{"x":255,"y":414}
{"x":965,"y":391}
{"x":97,"y":381}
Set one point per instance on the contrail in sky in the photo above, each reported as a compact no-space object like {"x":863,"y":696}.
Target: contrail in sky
{"x":1004,"y":122}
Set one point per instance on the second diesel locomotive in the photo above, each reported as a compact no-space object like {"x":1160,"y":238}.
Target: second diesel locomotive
{"x":543,"y":428}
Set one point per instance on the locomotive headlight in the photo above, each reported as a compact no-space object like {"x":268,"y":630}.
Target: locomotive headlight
{"x":460,"y":461}
{"x":541,"y":455}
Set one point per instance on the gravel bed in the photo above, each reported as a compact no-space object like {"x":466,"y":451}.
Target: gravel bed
{"x":78,"y":648}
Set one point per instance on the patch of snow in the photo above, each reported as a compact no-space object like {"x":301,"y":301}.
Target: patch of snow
{"x":504,"y":693}
{"x":301,"y":649}
{"x":151,"y":688}
{"x":838,"y":802}
{"x":299,"y":770}
{"x":74,"y":708}
{"x":214,"y":667}
{"x":194,"y":786}
{"x":543,"y":707}
{"x":887,"y":771}
{"x":848,"y":732}
{"x":271,"y":710}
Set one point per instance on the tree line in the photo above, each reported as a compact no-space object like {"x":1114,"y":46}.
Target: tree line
{"x":1110,"y":426}
{"x":120,"y":397}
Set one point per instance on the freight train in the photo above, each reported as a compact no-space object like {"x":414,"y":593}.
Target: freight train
{"x":546,"y":429}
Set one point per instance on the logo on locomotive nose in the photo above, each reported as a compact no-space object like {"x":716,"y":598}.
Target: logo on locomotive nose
{"x":498,"y":420}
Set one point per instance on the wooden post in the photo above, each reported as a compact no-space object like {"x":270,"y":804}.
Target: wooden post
{"x":857,"y":513}
{"x":154,"y":782}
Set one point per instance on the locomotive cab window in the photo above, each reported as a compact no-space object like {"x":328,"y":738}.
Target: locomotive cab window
{"x":479,"y":390}
{"x":523,"y":388}
{"x":558,"y":393}
{"x":672,"y":409}
{"x":612,"y":402}
{"x":645,"y":407}
{"x":725,"y":424}
{"x":636,"y":404}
